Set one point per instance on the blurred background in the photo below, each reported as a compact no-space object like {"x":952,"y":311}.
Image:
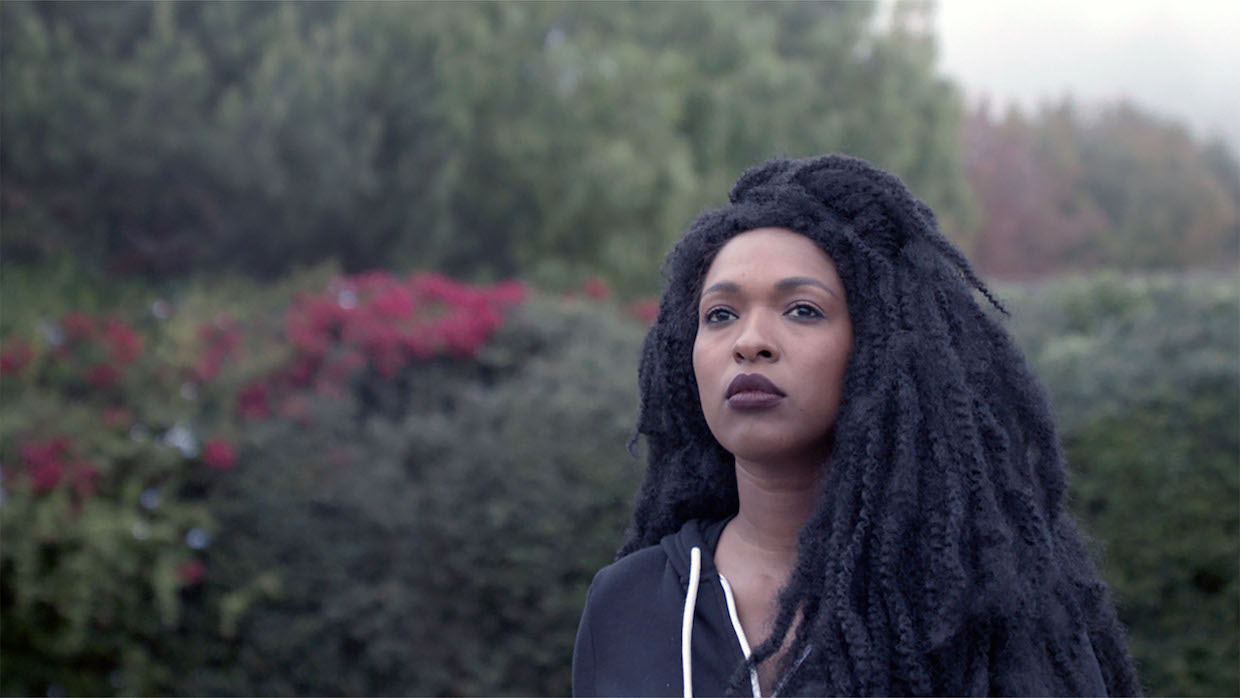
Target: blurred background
{"x":319,"y":322}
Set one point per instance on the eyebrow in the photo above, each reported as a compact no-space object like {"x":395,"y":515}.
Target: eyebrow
{"x":782,"y":285}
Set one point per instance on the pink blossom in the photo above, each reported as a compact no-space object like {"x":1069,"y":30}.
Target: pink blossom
{"x":15,"y":356}
{"x":77,"y":325}
{"x":646,"y":310}
{"x":596,"y":288}
{"x":252,"y":401}
{"x":303,"y":370}
{"x":124,"y":345}
{"x":103,"y":375}
{"x":218,"y":454}
{"x":508,"y":293}
{"x":395,"y":302}
{"x":221,"y":340}
{"x":191,"y":572}
{"x":43,"y":463}
{"x":45,"y":476}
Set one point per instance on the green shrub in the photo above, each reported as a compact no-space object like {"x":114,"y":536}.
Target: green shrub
{"x":1145,"y":377}
{"x":417,"y":501}
{"x":440,"y":544}
{"x":480,"y":139}
{"x":109,"y":569}
{"x":106,"y":469}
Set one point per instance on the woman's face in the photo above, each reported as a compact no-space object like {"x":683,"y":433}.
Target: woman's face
{"x":773,"y":340}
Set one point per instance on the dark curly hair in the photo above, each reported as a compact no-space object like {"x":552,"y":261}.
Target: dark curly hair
{"x":941,"y":558}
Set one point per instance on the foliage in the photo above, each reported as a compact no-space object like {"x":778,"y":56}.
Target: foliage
{"x":480,"y":139}
{"x":440,"y":543}
{"x":103,"y":517}
{"x":426,"y":519}
{"x":1144,"y":376}
{"x":106,"y":534}
{"x":1119,"y":189}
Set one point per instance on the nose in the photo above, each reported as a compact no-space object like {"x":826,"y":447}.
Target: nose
{"x":755,"y":342}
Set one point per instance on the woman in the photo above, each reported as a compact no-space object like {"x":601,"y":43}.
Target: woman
{"x":854,"y":483}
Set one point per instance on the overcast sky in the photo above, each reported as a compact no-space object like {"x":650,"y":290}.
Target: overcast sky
{"x":1176,"y":58}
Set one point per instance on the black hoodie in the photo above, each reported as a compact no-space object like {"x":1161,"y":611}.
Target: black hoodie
{"x":631,"y":638}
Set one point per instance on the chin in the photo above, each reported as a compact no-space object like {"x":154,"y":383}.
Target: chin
{"x":766,"y":453}
{"x":756,"y":446}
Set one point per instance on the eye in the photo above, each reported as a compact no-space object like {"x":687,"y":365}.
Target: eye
{"x":804,"y":311}
{"x":715,"y":316}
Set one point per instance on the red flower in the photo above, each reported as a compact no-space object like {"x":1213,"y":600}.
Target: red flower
{"x":303,"y":370}
{"x":645,"y":310}
{"x":15,"y":356}
{"x":45,"y":476}
{"x":313,"y":323}
{"x":439,"y":287}
{"x":45,"y":452}
{"x":46,"y":465}
{"x":252,"y":401}
{"x":103,"y":375}
{"x":191,"y":572}
{"x":218,"y":454}
{"x":77,"y":326}
{"x":378,"y":320}
{"x":395,"y":302}
{"x":124,"y":345}
{"x":221,"y":339}
{"x":508,"y":293}
{"x":42,"y":461}
{"x":207,"y":369}
{"x":596,"y":288}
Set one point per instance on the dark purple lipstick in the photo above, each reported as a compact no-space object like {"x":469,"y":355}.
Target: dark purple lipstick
{"x":753,"y":391}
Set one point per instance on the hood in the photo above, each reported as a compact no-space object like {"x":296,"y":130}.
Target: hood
{"x":695,"y":533}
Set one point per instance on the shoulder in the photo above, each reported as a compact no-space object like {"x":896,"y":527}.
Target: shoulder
{"x":627,"y":641}
{"x":665,"y":564}
{"x":640,"y":568}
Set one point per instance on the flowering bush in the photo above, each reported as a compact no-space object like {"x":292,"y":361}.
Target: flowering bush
{"x":103,"y":508}
{"x":645,"y":310}
{"x":369,"y":487}
{"x":422,"y":540}
{"x":378,"y":322}
{"x":118,"y":432}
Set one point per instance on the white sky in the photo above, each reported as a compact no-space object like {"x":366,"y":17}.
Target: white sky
{"x":1176,"y":58}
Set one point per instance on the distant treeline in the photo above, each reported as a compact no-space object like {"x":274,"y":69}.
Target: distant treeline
{"x":1063,"y":191}
{"x":552,"y":141}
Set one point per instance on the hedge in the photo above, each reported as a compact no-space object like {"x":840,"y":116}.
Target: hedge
{"x":402,"y":485}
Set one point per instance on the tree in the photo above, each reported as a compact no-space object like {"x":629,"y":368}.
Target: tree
{"x":1064,"y":191}
{"x":481,"y":139}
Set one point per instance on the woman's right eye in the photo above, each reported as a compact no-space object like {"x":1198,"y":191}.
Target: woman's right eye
{"x":717,"y":315}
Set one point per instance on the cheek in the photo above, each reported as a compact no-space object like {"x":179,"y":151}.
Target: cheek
{"x":706,"y":373}
{"x":701,"y":368}
{"x":830,"y":373}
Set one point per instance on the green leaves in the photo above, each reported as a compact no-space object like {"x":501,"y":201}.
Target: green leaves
{"x":434,"y":532}
{"x":1144,"y":379}
{"x":556,"y":141}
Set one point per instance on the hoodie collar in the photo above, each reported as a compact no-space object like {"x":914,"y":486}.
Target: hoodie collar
{"x":694,"y":533}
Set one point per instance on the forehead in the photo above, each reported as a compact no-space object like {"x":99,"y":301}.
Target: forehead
{"x":770,"y":254}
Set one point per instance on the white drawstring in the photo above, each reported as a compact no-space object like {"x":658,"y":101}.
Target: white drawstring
{"x":740,"y":634}
{"x":686,"y":627}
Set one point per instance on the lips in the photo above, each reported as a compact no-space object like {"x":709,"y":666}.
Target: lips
{"x":753,"y":391}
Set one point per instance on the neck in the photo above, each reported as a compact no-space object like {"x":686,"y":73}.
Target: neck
{"x":774,"y":505}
